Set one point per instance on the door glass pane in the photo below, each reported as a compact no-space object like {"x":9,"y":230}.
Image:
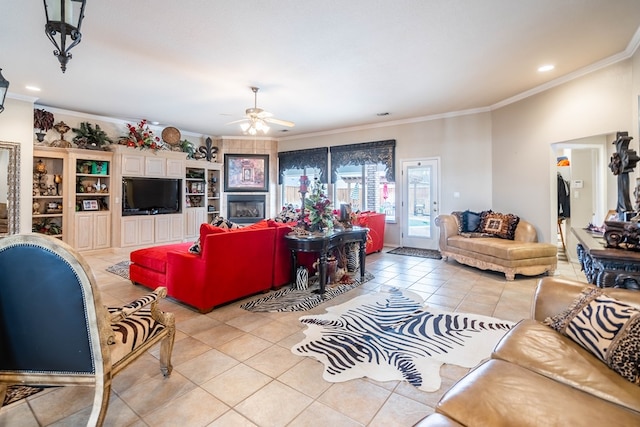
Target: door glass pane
{"x":419,"y":201}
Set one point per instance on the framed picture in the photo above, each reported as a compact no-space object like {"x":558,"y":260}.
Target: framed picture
{"x":246,"y":172}
{"x":89,"y":205}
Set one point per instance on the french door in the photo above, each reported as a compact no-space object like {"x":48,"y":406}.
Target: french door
{"x":420,"y":203}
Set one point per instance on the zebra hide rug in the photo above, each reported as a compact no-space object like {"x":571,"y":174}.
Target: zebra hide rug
{"x":393,"y":336}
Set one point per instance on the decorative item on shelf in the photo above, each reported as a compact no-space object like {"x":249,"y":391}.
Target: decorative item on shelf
{"x":64,"y":17}
{"x":209,"y":151}
{"x":304,"y":184}
{"x":187,"y":147}
{"x":171,"y":136}
{"x":318,"y":205}
{"x":39,"y":179}
{"x":46,"y":226}
{"x":622,"y":162}
{"x":91,"y":138}
{"x":61,"y":128}
{"x":345,"y":216}
{"x":84,"y":167}
{"x":99,"y":168}
{"x":42,"y":120}
{"x":57,"y":180}
{"x":302,"y":278}
{"x":142,"y":137}
{"x":40,"y":167}
{"x":36,"y":208}
{"x":4,"y":88}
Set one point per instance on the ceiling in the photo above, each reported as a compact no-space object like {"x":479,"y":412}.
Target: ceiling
{"x":324,"y":65}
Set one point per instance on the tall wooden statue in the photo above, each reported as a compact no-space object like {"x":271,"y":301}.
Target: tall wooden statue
{"x":622,"y":162}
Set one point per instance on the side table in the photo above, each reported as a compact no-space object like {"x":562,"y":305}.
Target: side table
{"x":322,"y":244}
{"x":607,"y":267}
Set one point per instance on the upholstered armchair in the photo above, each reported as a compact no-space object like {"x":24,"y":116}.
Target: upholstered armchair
{"x":55,"y":331}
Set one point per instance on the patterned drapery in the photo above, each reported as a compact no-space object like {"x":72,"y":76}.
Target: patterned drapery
{"x":300,"y":159}
{"x":376,"y":152}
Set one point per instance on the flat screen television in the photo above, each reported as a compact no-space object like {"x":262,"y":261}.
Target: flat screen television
{"x":151,"y":196}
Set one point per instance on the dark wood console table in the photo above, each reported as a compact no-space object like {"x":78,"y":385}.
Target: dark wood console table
{"x":607,"y":267}
{"x":323,"y":244}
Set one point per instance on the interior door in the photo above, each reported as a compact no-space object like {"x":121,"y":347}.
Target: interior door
{"x":420,"y":203}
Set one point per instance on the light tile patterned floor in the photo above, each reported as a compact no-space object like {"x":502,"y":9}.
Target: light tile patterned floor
{"x":235,"y":368}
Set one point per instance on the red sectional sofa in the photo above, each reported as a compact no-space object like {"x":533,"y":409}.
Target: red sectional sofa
{"x":231,"y":264}
{"x":375,"y":223}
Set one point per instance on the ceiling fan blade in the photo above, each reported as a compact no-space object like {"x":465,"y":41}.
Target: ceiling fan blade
{"x":237,"y":121}
{"x":280,"y":122}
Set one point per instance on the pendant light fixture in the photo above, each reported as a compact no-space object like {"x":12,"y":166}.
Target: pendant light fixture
{"x":64,"y":18}
{"x":4,"y":87}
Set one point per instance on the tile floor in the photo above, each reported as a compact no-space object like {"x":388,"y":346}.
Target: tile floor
{"x":235,"y":368}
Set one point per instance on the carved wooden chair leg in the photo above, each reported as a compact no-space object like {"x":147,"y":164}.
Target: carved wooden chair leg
{"x":166,"y":347}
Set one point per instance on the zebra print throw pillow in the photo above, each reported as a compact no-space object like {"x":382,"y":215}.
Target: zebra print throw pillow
{"x":606,"y":327}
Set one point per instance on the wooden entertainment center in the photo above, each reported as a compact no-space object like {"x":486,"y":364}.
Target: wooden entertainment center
{"x":77,"y":196}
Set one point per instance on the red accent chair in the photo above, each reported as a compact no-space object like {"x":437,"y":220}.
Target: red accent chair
{"x":375,"y":222}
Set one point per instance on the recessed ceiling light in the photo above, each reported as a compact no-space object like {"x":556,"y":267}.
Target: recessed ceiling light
{"x":545,"y":68}
{"x":155,"y":123}
{"x":33,"y":88}
{"x":386,"y":113}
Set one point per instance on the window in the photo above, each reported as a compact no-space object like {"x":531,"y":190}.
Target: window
{"x":312,"y":163}
{"x":363,"y":175}
{"x":290,"y":188}
{"x":366,"y":188}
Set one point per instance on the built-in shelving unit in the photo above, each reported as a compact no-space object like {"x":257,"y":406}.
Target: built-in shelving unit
{"x":91,"y":198}
{"x":49,"y":196}
{"x":202,"y":194}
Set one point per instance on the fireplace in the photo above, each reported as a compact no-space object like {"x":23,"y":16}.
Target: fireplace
{"x":245,"y":208}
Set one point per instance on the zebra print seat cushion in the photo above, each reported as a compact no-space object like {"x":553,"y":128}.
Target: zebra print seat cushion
{"x":131,"y":332}
{"x":606,"y":327}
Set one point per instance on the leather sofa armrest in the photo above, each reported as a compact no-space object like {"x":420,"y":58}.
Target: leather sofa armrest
{"x":448,"y":227}
{"x":555,"y":294}
{"x":525,"y":232}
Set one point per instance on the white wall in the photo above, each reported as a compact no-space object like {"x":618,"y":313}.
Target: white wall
{"x":463,"y":144}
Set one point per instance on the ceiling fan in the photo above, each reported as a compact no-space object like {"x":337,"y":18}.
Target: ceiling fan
{"x":257,"y":119}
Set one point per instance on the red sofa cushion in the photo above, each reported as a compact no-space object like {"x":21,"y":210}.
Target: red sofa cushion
{"x":155,"y":258}
{"x":205,"y":230}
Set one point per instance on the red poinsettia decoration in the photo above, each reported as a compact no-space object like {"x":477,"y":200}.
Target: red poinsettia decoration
{"x":141,"y":136}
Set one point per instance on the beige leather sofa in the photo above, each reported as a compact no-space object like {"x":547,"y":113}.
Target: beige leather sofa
{"x":538,"y":377}
{"x":522,"y":255}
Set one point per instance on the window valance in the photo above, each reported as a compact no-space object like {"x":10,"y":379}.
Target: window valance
{"x":377,"y":152}
{"x":299,"y":159}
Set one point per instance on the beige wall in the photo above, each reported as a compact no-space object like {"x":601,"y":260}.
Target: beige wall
{"x":16,"y":125}
{"x":596,"y":104}
{"x":462,"y":143}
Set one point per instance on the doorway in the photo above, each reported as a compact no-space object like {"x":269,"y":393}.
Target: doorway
{"x":420,"y":205}
{"x":585,"y":173}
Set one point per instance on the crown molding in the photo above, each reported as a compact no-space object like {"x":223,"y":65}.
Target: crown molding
{"x":19,"y":97}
